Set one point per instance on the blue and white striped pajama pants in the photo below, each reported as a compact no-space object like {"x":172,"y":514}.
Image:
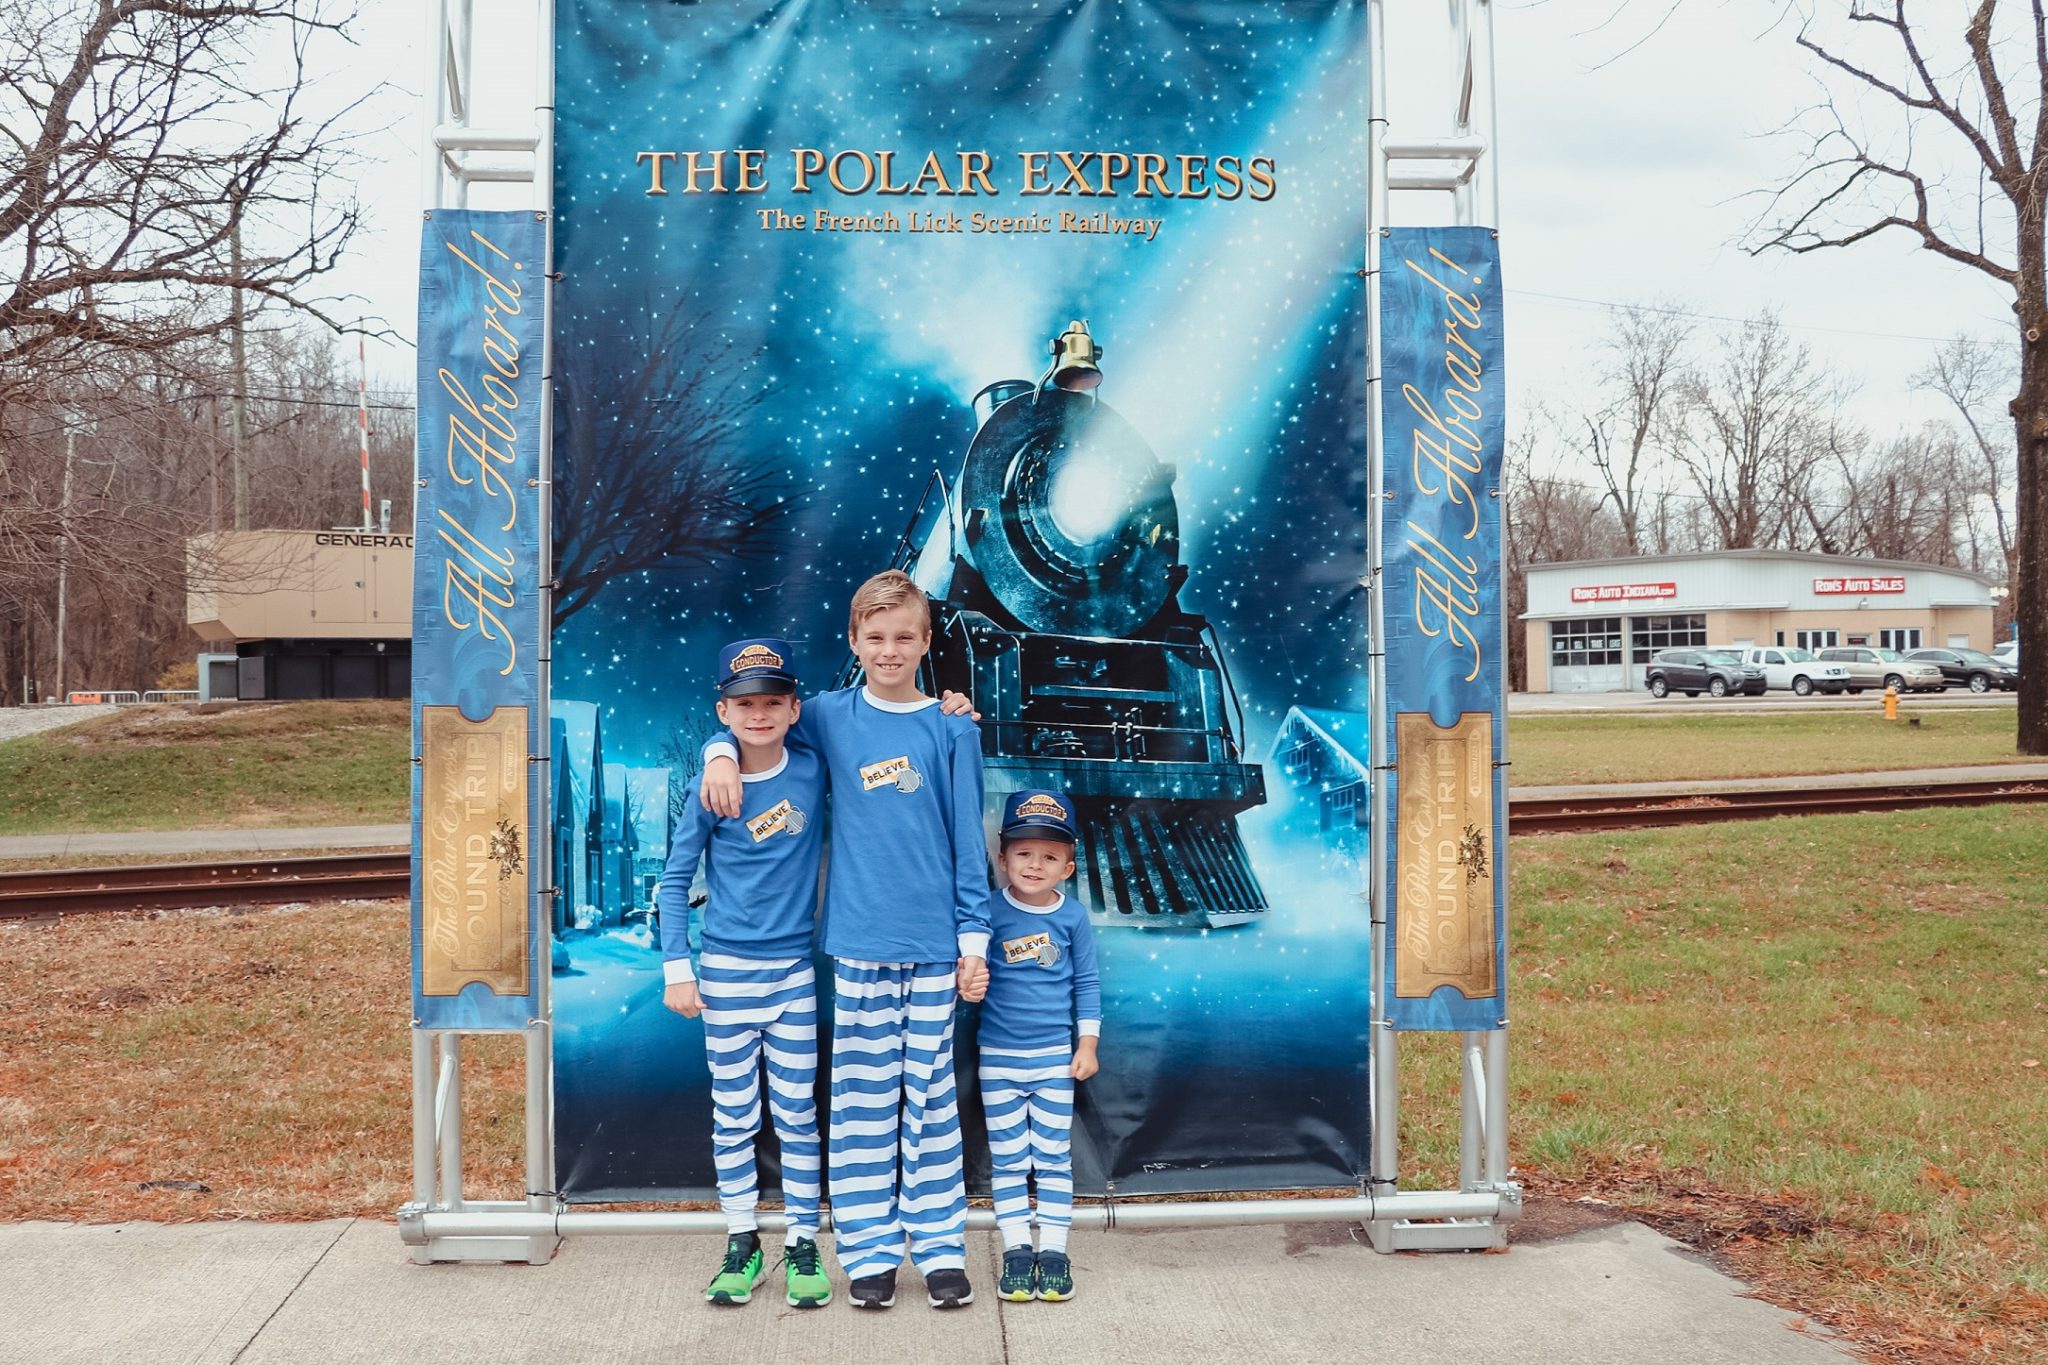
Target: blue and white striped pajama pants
{"x":895,"y":1159}
{"x":756,"y":1011}
{"x":1027,"y":1099}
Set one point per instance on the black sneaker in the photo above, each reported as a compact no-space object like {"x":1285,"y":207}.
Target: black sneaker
{"x":948,"y":1289}
{"x":873,"y":1291}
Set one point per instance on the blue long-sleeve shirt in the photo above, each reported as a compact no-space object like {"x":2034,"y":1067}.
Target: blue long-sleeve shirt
{"x":760,"y":871}
{"x":909,"y":872}
{"x":1043,"y":984}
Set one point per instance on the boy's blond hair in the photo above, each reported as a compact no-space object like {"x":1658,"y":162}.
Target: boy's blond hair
{"x":887,"y":590}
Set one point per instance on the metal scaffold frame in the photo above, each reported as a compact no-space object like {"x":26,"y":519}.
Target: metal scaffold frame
{"x":1461,"y":164}
{"x":442,"y":1224}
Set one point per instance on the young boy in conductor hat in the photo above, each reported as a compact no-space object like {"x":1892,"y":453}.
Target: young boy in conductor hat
{"x":753,"y":982}
{"x":1039,"y":1026}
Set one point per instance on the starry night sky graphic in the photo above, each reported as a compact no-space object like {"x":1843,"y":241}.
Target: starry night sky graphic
{"x":1234,"y":342}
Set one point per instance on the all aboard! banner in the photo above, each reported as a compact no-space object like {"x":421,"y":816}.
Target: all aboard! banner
{"x":1061,"y":309}
{"x":1443,"y":404}
{"x":476,"y":622}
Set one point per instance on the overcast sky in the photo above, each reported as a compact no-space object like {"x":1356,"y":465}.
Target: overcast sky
{"x":1627,"y":175}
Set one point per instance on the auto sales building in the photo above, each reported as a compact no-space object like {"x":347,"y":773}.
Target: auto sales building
{"x":1593,"y":623}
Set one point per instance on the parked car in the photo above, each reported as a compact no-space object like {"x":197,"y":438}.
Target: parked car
{"x":2007,"y":653}
{"x":1878,"y":668}
{"x":1971,"y":668}
{"x":1716,"y":672}
{"x":1797,"y":669}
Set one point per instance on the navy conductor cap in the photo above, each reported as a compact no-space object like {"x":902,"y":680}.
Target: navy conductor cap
{"x":747,"y":667}
{"x":1038,"y":815}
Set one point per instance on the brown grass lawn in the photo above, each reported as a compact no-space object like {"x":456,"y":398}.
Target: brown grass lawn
{"x":1816,"y":1047}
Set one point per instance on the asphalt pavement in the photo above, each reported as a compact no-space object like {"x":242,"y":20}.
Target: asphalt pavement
{"x":343,"y":1292}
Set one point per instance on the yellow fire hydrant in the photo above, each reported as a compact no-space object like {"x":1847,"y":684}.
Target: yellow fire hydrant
{"x":1891,"y":703}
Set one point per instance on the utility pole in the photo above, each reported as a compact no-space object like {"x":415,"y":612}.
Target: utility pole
{"x":64,"y":551}
{"x":363,"y":416}
{"x":240,"y":360}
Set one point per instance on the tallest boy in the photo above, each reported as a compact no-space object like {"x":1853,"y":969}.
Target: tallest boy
{"x":906,"y":891}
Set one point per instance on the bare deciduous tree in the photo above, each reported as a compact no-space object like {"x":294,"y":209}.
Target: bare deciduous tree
{"x":1975,"y":376}
{"x":1749,"y":428}
{"x":671,"y":483}
{"x":155,"y":175}
{"x":1641,"y":373}
{"x":1976,"y":94}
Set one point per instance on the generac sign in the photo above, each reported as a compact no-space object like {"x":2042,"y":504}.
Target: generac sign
{"x":1824,"y":587}
{"x":1624,"y":592}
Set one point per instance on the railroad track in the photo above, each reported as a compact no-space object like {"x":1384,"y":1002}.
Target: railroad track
{"x":1570,"y":815}
{"x":388,"y":876}
{"x":178,"y":886}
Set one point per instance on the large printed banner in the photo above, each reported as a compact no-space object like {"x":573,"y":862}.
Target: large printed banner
{"x":1061,"y":309}
{"x":1443,"y":404}
{"x":476,"y":621}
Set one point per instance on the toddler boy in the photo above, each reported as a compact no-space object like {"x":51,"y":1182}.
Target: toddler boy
{"x":1043,"y":991}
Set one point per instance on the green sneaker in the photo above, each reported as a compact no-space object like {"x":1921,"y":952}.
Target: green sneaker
{"x":808,"y":1285}
{"x":1055,"y":1277}
{"x":742,"y":1270}
{"x":1020,"y":1275}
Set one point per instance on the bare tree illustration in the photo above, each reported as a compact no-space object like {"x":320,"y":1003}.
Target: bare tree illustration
{"x":653,"y":462}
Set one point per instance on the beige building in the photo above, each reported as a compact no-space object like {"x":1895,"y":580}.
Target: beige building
{"x":1592,"y":624}
{"x":304,"y":613}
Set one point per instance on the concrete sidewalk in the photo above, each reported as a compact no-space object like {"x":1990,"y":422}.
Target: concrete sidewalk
{"x":206,"y":841}
{"x":344,"y":1291}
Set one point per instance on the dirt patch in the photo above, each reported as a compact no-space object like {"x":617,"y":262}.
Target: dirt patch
{"x":1547,"y":1218}
{"x":1791,"y":1256}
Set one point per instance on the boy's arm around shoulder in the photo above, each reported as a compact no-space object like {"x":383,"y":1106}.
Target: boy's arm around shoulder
{"x":720,"y":787}
{"x":672,"y":905}
{"x":970,"y":844}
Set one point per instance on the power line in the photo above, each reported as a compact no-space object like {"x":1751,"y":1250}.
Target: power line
{"x":82,"y":422}
{"x":1722,"y":317}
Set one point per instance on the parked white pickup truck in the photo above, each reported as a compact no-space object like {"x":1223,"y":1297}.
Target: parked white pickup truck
{"x":1796,"y":669}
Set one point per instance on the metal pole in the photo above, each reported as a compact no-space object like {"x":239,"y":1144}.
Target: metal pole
{"x":363,"y":416}
{"x":1497,"y":1107}
{"x":1383,"y":1082}
{"x":448,"y":1119}
{"x":1497,"y":1039}
{"x":436,"y":113}
{"x":465,"y":53}
{"x":422,"y":1125}
{"x":1471,"y":1109}
{"x":1490,"y":161}
{"x":540,"y":1168}
{"x":1102,"y":1217}
{"x":64,"y":555}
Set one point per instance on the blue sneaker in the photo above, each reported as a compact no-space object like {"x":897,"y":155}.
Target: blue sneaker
{"x":1055,"y":1277}
{"x":1019,"y":1279}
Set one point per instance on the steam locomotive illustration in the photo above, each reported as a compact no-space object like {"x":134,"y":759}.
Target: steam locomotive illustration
{"x":1052,"y":562}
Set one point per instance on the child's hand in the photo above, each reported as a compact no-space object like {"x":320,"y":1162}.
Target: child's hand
{"x":720,"y":791}
{"x":957,"y":704}
{"x":1085,"y":1063}
{"x":682,"y":997}
{"x":972,"y":975}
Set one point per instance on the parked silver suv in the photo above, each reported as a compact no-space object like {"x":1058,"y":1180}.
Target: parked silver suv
{"x":1880,"y":668}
